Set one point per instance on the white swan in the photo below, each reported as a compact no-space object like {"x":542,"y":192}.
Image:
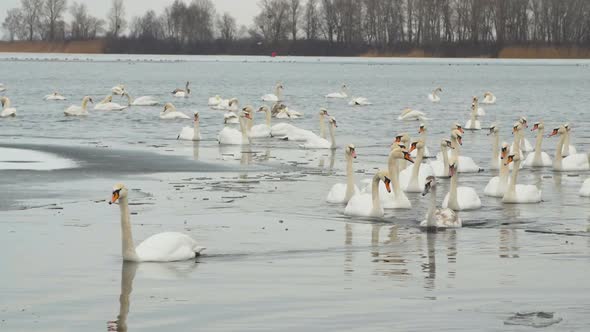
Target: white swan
{"x":262,"y":130}
{"x":438,"y":217}
{"x":230,"y":117}
{"x":286,"y":113}
{"x":413,"y":178}
{"x":497,"y":185}
{"x":317,"y":142}
{"x":495,"y":133}
{"x":191,"y":134}
{"x":440,"y":166}
{"x":232,"y":136}
{"x":291,"y":133}
{"x":538,"y":158}
{"x":108,"y":105}
{"x":6,"y":109}
{"x":170,"y":113}
{"x":162,"y":247}
{"x":573,"y":162}
{"x":359,"y":101}
{"x":182,"y":93}
{"x":79,"y":110}
{"x":403,"y":141}
{"x":480,"y":111}
{"x":409,"y":114}
{"x":397,"y":199}
{"x":567,"y":147}
{"x":465,"y":164}
{"x":473,"y":123}
{"x":519,"y":193}
{"x":54,"y":96}
{"x":277,"y":96}
{"x":214,"y":101}
{"x":585,"y":189}
{"x":118,"y":90}
{"x":460,"y":198}
{"x":369,"y":205}
{"x":341,"y":94}
{"x":525,"y":145}
{"x":343,"y":192}
{"x":433,"y":97}
{"x":423,"y":131}
{"x":140,"y":101}
{"x":488,"y":98}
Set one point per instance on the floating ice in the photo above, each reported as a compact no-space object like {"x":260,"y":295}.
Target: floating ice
{"x":21,"y":159}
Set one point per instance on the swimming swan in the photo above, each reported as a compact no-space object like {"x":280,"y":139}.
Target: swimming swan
{"x":440,"y":166}
{"x":140,"y":101}
{"x":573,"y":162}
{"x":473,"y":123}
{"x":342,"y":94}
{"x":433,"y":97}
{"x":413,"y":178}
{"x":79,"y":110}
{"x":488,"y":98}
{"x":519,"y":193}
{"x":369,"y":205}
{"x":316,"y":142}
{"x":409,"y":114}
{"x":423,"y":131}
{"x":497,"y":185}
{"x":277,"y":96}
{"x":538,"y":158}
{"x":397,"y":199}
{"x":343,"y":192}
{"x":6,"y":109}
{"x":191,"y":134}
{"x":180,"y":93}
{"x":108,"y":105}
{"x":438,"y":217}
{"x":232,"y":136}
{"x":359,"y":101}
{"x":460,"y":198}
{"x":170,"y":113}
{"x":54,"y":96}
{"x":162,"y":247}
{"x":118,"y":90}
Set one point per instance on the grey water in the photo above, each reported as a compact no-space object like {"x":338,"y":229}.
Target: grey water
{"x":279,"y":257}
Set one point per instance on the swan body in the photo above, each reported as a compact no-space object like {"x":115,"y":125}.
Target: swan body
{"x":573,"y":162}
{"x":107,"y":105}
{"x":170,"y":113}
{"x":438,"y":217}
{"x":412,"y":115}
{"x":141,"y":101}
{"x":162,"y":247}
{"x":369,"y":205}
{"x":440,"y":166}
{"x":538,"y":158}
{"x":433,"y":97}
{"x":191,"y":134}
{"x":182,"y":93}
{"x":317,"y":142}
{"x":232,"y":136}
{"x":488,"y":98}
{"x":7,"y":111}
{"x":343,"y":192}
{"x":79,"y":110}
{"x":585,"y":189}
{"x":519,"y":193}
{"x":118,"y":90}
{"x":54,"y":96}
{"x":359,"y":101}
{"x":292,"y":133}
{"x":276,"y":97}
{"x":497,"y":185}
{"x":340,"y":95}
{"x":413,"y":178}
{"x":460,"y":198}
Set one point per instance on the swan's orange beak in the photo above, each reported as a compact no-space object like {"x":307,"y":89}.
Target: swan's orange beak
{"x":452,"y":170}
{"x":460,"y":129}
{"x":460,"y":140}
{"x":413,"y":147}
{"x":115,"y":197}
{"x":420,"y":130}
{"x":509,"y":160}
{"x":387,"y":184}
{"x":408,"y":157}
{"x":353,"y":154}
{"x":397,"y":139}
{"x":554,"y":132}
{"x":535,"y":127}
{"x":248,"y":116}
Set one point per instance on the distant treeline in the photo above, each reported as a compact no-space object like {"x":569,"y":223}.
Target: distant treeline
{"x":316,"y":27}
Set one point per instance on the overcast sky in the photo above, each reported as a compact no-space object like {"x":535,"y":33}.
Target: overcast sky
{"x":242,"y":10}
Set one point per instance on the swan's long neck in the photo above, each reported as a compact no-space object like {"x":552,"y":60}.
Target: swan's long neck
{"x":453,"y":202}
{"x":129,"y":99}
{"x":128,"y":246}
{"x":244,"y":129}
{"x":322,"y":126}
{"x":349,"y":178}
{"x":127,"y":276}
{"x":473,"y":116}
{"x":394,"y":173}
{"x":559,"y":153}
{"x":566,"y":144}
{"x":538,"y":145}
{"x":268,"y":118}
{"x":375,"y":193}
{"x":445,"y":156}
{"x":456,"y":151}
{"x":514,"y":176}
{"x":417,"y":164}
{"x":430,"y":222}
{"x":6,"y":103}
{"x":332,"y":137}
{"x":504,"y":171}
{"x":496,"y":149}
{"x":516,"y":144}
{"x":197,"y":130}
{"x":278,"y":92}
{"x":84,"y":104}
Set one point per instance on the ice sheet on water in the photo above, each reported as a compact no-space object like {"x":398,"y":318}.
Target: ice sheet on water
{"x":21,"y":159}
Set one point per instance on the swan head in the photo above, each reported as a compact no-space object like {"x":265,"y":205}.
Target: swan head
{"x":430,"y":184}
{"x":512,"y":158}
{"x":233,"y":101}
{"x":168,"y":107}
{"x":248,"y":110}
{"x":458,"y":127}
{"x":400,"y":153}
{"x":246,"y":114}
{"x":523,"y":121}
{"x":384,"y":176}
{"x":333,"y":122}
{"x":109,"y":99}
{"x":402,"y":138}
{"x":196,"y":117}
{"x":119,"y":190}
{"x":494,"y":130}
{"x":419,"y":144}
{"x":422,"y":128}
{"x":456,"y":135}
{"x":561,"y":130}
{"x":87,"y":99}
{"x":445,"y":143}
{"x":516,"y":127}
{"x":538,"y":126}
{"x":351,"y":150}
{"x":438,"y":89}
{"x":263,"y":108}
{"x":567,"y":127}
{"x":344,"y":87}
{"x":504,"y":150}
{"x":324,"y":111}
{"x":453,"y":168}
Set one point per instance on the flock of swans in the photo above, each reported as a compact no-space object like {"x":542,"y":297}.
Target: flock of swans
{"x":410,"y":167}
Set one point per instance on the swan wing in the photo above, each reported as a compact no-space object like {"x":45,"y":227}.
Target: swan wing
{"x":230,"y":136}
{"x":187,"y":134}
{"x":260,"y":131}
{"x":361,"y":205}
{"x":168,"y":247}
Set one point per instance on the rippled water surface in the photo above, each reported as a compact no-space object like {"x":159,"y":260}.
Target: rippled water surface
{"x":279,"y":257}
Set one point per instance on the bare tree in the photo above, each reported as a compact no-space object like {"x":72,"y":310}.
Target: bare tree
{"x":13,"y":23}
{"x":272,"y":20}
{"x":31,"y":10}
{"x":311,"y":20}
{"x":84,"y":26}
{"x":227,"y":27}
{"x":116,"y":18}
{"x":294,"y":15}
{"x":53,"y":11}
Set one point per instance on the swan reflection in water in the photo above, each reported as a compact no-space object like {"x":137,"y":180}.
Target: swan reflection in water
{"x":196,"y":146}
{"x":390,"y":263}
{"x":127,"y":275}
{"x":331,"y":158}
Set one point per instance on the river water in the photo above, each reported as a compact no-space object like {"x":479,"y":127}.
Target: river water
{"x":279,"y":257}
